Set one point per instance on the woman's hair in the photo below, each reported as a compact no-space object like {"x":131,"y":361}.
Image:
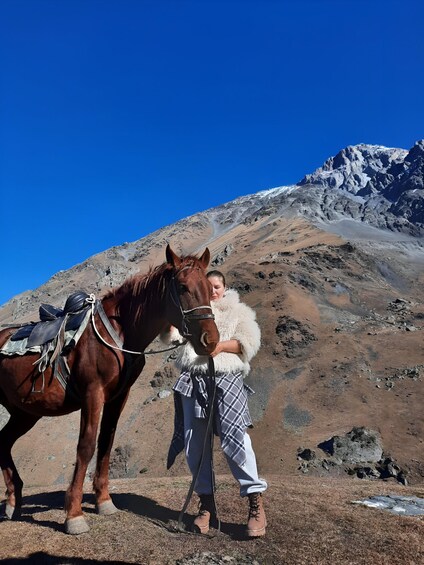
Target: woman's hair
{"x":216,"y":274}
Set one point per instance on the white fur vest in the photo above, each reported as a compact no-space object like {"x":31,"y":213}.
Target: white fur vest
{"x":234,"y":320}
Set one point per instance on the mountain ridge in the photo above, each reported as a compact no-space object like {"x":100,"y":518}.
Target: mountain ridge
{"x":347,"y":186}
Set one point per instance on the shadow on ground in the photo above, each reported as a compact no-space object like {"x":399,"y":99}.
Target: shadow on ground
{"x":168,"y":518}
{"x":148,"y":508}
{"x":42,"y":558}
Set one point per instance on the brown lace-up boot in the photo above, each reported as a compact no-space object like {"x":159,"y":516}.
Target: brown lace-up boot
{"x":257,"y":521}
{"x":206,"y":509}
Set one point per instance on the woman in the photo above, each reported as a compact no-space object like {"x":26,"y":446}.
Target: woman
{"x":239,"y":342}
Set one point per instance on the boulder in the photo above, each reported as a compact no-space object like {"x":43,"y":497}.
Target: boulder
{"x":360,"y":445}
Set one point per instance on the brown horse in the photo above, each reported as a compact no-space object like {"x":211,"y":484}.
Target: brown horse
{"x":176,"y":293}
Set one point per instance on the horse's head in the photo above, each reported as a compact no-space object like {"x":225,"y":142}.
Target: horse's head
{"x":188,"y":304}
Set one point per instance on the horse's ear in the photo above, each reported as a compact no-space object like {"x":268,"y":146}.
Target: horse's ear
{"x":172,"y":257}
{"x":205,"y":258}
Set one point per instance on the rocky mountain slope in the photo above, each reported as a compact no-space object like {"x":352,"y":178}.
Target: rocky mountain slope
{"x":334,"y":267}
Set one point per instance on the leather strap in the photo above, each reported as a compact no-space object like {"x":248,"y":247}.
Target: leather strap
{"x":208,"y":439}
{"x":108,"y":325}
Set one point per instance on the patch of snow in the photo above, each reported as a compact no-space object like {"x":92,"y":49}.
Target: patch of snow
{"x":401,"y":505}
{"x":276,"y":191}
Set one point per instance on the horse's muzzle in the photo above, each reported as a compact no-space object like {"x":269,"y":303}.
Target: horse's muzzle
{"x":206,"y":343}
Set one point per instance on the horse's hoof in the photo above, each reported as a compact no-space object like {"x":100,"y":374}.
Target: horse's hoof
{"x":106,"y":508}
{"x":76,"y":526}
{"x":10,"y":512}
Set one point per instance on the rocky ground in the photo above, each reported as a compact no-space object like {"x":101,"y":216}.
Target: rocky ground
{"x":310,"y":521}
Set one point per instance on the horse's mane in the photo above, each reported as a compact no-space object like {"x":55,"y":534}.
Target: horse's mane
{"x":135,"y":293}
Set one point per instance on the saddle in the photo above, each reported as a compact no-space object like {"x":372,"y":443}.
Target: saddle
{"x":54,"y":321}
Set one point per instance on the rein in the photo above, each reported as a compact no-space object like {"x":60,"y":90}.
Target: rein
{"x":209,"y":437}
{"x":186,"y":316}
{"x":92,"y":300}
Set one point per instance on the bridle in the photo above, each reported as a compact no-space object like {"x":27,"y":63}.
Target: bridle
{"x":186,"y":316}
{"x":190,"y":314}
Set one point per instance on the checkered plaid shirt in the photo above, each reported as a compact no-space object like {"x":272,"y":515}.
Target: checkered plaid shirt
{"x":231,"y":411}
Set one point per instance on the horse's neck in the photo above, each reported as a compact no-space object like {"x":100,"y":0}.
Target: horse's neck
{"x":140,"y":318}
{"x":146,"y":329}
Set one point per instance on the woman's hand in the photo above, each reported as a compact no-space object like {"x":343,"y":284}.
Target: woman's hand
{"x":218,"y":349}
{"x":230,"y":346}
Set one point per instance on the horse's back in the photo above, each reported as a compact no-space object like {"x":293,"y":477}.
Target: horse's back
{"x":5,"y":335}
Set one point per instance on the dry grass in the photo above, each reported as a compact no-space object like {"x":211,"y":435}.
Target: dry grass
{"x":310,"y":521}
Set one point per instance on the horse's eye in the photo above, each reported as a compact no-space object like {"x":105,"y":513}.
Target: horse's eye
{"x":183,"y":288}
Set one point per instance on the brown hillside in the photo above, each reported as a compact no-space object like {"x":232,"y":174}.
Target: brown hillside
{"x":335,"y":349}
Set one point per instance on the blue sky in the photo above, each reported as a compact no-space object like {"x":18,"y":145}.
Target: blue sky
{"x":120,"y":117}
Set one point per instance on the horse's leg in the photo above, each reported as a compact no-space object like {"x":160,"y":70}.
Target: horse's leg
{"x":111,"y":413}
{"x":90,"y":414}
{"x":19,"y":424}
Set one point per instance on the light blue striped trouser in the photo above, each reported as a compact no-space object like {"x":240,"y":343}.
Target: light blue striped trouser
{"x":194,"y":434}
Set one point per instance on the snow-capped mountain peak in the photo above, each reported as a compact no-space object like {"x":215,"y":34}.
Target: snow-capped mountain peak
{"x":354,"y":167}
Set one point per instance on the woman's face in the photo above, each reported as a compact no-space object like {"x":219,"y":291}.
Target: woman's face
{"x":218,"y":288}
